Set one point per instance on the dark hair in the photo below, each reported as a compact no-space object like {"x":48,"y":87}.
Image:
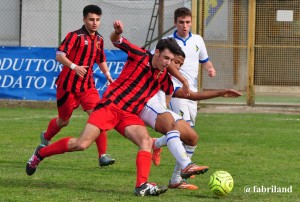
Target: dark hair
{"x":182,"y":54}
{"x":91,"y":9}
{"x":168,"y":43}
{"x":183,"y":11}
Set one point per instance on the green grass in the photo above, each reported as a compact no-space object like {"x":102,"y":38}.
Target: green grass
{"x":257,"y":149}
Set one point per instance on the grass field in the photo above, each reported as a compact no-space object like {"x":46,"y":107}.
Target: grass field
{"x":257,"y":149}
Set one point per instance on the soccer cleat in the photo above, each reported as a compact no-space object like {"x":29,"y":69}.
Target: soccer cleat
{"x":43,"y":140}
{"x":34,"y":161}
{"x":193,"y":169}
{"x":192,"y":176}
{"x":156,"y":153}
{"x":182,"y":185}
{"x":149,"y":189}
{"x":106,"y":160}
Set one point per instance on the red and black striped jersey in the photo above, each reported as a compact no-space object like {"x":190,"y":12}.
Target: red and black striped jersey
{"x":138,"y":81}
{"x":82,"y":50}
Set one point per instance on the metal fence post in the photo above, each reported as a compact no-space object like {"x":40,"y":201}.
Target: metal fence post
{"x":251,"y":49}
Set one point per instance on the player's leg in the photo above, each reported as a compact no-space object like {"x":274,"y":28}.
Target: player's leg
{"x":149,"y":116}
{"x":101,"y":119}
{"x":132,"y":127}
{"x":190,"y":138}
{"x":157,"y":115}
{"x":66,"y":103}
{"x":165,"y":122}
{"x":68,"y":144}
{"x":88,"y":101}
{"x":188,"y":110}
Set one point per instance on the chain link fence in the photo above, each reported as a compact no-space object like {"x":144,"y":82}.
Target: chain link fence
{"x":45,"y":23}
{"x":255,"y":48}
{"x":254,"y":45}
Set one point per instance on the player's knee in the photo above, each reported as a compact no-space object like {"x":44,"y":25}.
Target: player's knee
{"x":146,"y":142}
{"x":81,"y":146}
{"x":63,"y":123}
{"x":190,"y":138}
{"x":173,"y":125}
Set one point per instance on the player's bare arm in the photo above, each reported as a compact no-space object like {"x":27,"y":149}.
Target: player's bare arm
{"x":116,"y":35}
{"x":228,"y":93}
{"x":208,"y":66}
{"x":80,"y":70}
{"x":104,"y":68}
{"x":175,"y":72}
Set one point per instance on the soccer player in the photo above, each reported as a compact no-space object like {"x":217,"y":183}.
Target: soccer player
{"x":75,"y":84}
{"x":141,"y":78}
{"x":156,"y":115}
{"x":194,"y":48}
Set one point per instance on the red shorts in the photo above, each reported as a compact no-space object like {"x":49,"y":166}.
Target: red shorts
{"x":67,"y":101}
{"x":110,"y":116}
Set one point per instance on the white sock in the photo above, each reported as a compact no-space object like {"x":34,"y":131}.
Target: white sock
{"x":176,"y":148}
{"x":189,"y":150}
{"x":176,"y":178}
{"x":161,"y":142}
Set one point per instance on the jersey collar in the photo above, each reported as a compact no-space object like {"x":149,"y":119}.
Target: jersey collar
{"x":86,"y":32}
{"x":181,"y":39}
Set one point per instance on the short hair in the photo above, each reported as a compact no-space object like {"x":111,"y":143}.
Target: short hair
{"x":91,"y":9}
{"x":183,"y":11}
{"x":168,"y":43}
{"x":182,"y":54}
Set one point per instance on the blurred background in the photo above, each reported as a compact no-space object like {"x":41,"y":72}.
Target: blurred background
{"x":253,"y":44}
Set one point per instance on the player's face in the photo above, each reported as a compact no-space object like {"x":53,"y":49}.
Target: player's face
{"x":92,"y":22}
{"x":163,"y":59}
{"x":183,"y":25}
{"x":178,"y":61}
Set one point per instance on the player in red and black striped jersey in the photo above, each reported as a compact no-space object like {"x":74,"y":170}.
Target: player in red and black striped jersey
{"x":141,"y":78}
{"x":78,"y":53}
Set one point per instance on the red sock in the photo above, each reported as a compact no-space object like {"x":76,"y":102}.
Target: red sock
{"x":143,"y":165}
{"x":52,"y":129}
{"x":101,"y":143}
{"x":58,"y":147}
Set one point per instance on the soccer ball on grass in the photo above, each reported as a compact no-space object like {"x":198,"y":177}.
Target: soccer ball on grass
{"x":221,"y":183}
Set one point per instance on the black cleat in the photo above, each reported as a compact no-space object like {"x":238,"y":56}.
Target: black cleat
{"x":106,"y":160}
{"x":148,"y":189}
{"x":34,"y":161}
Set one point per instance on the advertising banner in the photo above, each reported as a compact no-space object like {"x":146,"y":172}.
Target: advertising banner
{"x":29,"y":73}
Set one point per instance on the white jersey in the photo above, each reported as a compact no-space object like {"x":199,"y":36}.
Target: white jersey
{"x":159,"y":97}
{"x":195,"y":52}
{"x":155,"y":106}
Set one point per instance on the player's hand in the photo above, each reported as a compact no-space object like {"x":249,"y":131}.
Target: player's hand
{"x":81,"y":70}
{"x":231,"y":93}
{"x":110,"y":80}
{"x":211,"y":72}
{"x":118,"y":26}
{"x":186,"y":88}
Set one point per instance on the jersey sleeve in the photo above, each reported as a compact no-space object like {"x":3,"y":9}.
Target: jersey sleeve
{"x":132,"y":50}
{"x":68,"y":43}
{"x":167,"y":84}
{"x":203,"y":56}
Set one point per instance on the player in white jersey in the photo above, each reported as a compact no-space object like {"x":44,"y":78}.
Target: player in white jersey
{"x":194,"y":48}
{"x":156,"y":115}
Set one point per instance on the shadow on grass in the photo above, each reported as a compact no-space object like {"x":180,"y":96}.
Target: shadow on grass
{"x":53,"y":166}
{"x":34,"y":183}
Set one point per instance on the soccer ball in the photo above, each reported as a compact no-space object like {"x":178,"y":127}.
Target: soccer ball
{"x":221,"y":183}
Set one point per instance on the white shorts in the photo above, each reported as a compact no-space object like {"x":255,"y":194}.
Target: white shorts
{"x":150,"y":112}
{"x":185,"y":108}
